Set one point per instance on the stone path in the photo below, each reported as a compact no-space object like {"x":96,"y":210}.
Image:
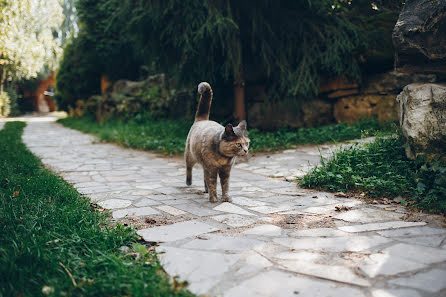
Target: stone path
{"x":273,"y":240}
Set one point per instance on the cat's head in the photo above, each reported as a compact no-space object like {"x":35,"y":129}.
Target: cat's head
{"x":235,"y":141}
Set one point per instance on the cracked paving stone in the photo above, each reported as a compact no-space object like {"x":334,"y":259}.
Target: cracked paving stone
{"x":387,"y":264}
{"x":175,"y":231}
{"x":432,"y":280}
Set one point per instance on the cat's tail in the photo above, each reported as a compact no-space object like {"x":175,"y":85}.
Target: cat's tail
{"x":204,"y":105}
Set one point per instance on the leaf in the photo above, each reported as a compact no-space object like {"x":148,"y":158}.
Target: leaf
{"x":16,"y":193}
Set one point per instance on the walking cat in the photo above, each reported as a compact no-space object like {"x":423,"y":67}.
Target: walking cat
{"x":213,"y":146}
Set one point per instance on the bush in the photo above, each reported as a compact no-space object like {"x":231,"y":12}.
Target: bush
{"x":381,"y":169}
{"x":8,"y":103}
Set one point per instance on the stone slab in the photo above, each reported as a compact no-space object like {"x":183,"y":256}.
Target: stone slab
{"x":432,"y":280}
{"x":264,"y":230}
{"x":270,"y":209}
{"x":367,"y":215}
{"x":137,"y":211}
{"x":253,"y":263}
{"x":247,"y":201}
{"x":171,"y":210}
{"x":280,"y":284}
{"x":224,"y":243}
{"x":175,"y":231}
{"x":387,"y":264}
{"x":146,"y":202}
{"x":115,"y":203}
{"x":231,"y":208}
{"x":380,"y":226}
{"x":234,"y":220}
{"x":395,"y":293}
{"x":196,"y":209}
{"x":420,"y":231}
{"x":330,"y":272}
{"x":319,"y":232}
{"x":202,"y":270}
{"x":334,"y":244}
{"x":421,"y":254}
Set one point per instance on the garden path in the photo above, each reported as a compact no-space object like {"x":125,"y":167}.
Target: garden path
{"x":275,"y":239}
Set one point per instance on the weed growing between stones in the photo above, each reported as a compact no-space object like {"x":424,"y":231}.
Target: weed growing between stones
{"x":54,"y":244}
{"x":381,"y":169}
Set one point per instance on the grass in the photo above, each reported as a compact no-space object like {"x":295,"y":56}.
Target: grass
{"x":381,"y":169}
{"x":47,"y":225}
{"x":169,"y":136}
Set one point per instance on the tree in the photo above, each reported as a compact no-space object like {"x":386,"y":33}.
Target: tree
{"x":27,"y":41}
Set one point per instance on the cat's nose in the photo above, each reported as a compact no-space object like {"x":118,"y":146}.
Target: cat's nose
{"x":245,"y":150}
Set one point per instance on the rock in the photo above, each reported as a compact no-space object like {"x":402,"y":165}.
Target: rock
{"x":419,"y":36}
{"x":127,"y":87}
{"x":351,"y":109}
{"x":393,"y":82}
{"x":422,"y":116}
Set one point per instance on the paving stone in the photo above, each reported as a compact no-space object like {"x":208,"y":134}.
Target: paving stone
{"x":334,"y":244}
{"x":253,"y":263}
{"x":264,"y":230}
{"x":395,"y":293}
{"x":413,"y":252}
{"x":431,"y":241}
{"x":270,"y":209}
{"x":226,"y":243}
{"x":319,"y":232}
{"x":137,"y":211}
{"x":330,"y":272}
{"x":234,"y":220}
{"x":148,"y":186}
{"x":280,"y":284}
{"x":380,"y":226}
{"x":247,"y":201}
{"x":146,"y":202}
{"x":171,"y":210}
{"x":175,"y":231}
{"x":231,"y":208}
{"x":420,"y":231}
{"x":196,"y":209}
{"x":202,"y":270}
{"x":432,"y":280}
{"x":387,"y":264}
{"x":367,"y":215}
{"x":115,"y":203}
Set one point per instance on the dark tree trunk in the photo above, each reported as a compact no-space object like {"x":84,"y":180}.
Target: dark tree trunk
{"x":239,"y":99}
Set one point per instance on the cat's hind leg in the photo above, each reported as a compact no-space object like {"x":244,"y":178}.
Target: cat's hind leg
{"x":189,"y":165}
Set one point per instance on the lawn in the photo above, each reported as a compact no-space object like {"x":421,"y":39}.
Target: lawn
{"x":169,"y":136}
{"x":53,"y":243}
{"x":381,"y":169}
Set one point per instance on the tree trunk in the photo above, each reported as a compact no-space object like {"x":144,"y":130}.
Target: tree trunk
{"x":239,"y":99}
{"x":2,"y":77}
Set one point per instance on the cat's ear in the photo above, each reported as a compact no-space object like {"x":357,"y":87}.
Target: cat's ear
{"x":243,"y":125}
{"x":229,"y":132}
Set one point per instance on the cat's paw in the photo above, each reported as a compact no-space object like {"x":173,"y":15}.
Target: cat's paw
{"x":188,"y":181}
{"x":213,"y":199}
{"x":226,"y":198}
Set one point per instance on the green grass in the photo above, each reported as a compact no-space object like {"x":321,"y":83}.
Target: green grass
{"x":381,"y":169}
{"x":45,"y":224}
{"x":169,"y":136}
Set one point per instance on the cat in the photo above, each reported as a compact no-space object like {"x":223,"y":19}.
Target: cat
{"x":213,"y":146}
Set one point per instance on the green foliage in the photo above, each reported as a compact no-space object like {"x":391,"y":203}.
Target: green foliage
{"x":78,"y":76}
{"x":46,"y":222}
{"x":5,"y":104}
{"x":287,"y":45}
{"x":381,"y":169}
{"x":170,"y":136}
{"x":287,"y":138}
{"x":27,"y":42}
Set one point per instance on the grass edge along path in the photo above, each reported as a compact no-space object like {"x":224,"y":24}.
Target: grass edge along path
{"x":169,"y":137}
{"x":381,"y":169}
{"x":53,"y":243}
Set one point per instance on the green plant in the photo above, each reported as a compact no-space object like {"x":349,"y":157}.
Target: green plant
{"x":381,"y":169}
{"x":53,"y":242}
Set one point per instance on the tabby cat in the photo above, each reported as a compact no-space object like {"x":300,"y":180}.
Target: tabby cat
{"x":213,"y":146}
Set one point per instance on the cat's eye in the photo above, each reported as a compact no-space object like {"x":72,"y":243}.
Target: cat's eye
{"x":239,"y":145}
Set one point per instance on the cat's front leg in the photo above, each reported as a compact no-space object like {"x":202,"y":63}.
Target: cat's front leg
{"x":224,"y":174}
{"x":211,"y":183}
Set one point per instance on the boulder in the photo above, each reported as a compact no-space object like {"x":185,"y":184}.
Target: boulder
{"x":422,"y":116}
{"x":352,"y":109}
{"x":419,"y":36}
